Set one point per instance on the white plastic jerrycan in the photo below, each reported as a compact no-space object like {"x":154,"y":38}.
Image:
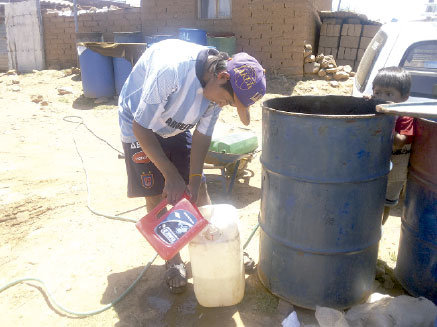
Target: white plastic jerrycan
{"x":216,"y":256}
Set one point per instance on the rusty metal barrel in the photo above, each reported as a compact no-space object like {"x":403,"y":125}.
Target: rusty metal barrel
{"x":325,"y":161}
{"x":416,"y":266}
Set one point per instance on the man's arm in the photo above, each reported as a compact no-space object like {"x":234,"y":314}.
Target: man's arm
{"x":199,"y":148}
{"x":174,"y":183}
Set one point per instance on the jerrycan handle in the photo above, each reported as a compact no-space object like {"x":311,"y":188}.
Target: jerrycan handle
{"x":161,"y":205}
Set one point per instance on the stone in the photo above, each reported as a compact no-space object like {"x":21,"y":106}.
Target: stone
{"x":36,"y":98}
{"x":15,"y":88}
{"x":15,"y":81}
{"x":284,"y":308}
{"x":347,"y":69}
{"x":307,"y":53}
{"x":334,"y":83}
{"x":44,"y":103}
{"x":11,"y":72}
{"x":341,"y":75}
{"x":324,"y":63}
{"x":75,"y":70}
{"x":309,"y":59}
{"x":352,"y":74}
{"x":321,"y":72}
{"x":388,"y":283}
{"x":328,"y":77}
{"x":320,"y":57}
{"x":331,"y":70}
{"x":65,"y":90}
{"x":308,"y":47}
{"x":101,"y":100}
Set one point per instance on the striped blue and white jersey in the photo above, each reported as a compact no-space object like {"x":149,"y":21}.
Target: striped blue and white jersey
{"x":164,"y":94}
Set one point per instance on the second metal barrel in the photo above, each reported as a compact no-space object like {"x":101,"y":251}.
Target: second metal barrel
{"x":416,"y":266}
{"x":325,"y":164}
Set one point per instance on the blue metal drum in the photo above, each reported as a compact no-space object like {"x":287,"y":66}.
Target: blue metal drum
{"x":193,"y":35}
{"x":122,"y":67}
{"x":325,"y":165}
{"x":416,"y":266}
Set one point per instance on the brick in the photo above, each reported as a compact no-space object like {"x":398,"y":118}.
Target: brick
{"x":356,"y":30}
{"x":364,"y":42}
{"x":324,"y":30}
{"x":370,"y":30}
{"x":344,"y":62}
{"x":321,"y":50}
{"x":333,"y":21}
{"x":350,"y":54}
{"x":340,"y":53}
{"x":353,"y":21}
{"x":345,"y":29}
{"x":334,"y":30}
{"x":349,"y":41}
{"x":329,"y":41}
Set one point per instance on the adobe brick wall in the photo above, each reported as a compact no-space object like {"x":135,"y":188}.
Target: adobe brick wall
{"x":60,"y":37}
{"x":272,"y":31}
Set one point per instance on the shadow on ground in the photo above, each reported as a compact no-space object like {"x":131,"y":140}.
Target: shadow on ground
{"x":241,"y":195}
{"x":151,"y":304}
{"x":84,"y":103}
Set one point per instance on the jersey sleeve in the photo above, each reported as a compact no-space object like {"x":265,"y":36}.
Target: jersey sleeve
{"x":405,"y":126}
{"x":207,"y":121}
{"x":156,"y":90}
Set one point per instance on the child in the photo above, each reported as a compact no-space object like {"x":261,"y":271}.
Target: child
{"x":393,"y":84}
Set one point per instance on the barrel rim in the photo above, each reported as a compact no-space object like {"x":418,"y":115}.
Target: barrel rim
{"x":298,"y":114}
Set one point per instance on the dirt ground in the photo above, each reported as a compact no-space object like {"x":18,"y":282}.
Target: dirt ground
{"x":86,"y":261}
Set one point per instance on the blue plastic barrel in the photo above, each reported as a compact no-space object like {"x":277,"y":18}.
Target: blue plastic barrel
{"x":325,"y":163}
{"x":416,"y":266}
{"x":97,"y":74}
{"x":193,"y":35}
{"x":122,"y":67}
{"x":128,"y":37}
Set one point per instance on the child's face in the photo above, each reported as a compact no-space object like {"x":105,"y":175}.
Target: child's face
{"x":388,"y":94}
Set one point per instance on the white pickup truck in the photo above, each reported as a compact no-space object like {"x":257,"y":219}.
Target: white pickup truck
{"x":411,"y":45}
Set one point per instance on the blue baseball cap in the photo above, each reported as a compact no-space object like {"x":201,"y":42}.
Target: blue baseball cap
{"x":248,"y":80}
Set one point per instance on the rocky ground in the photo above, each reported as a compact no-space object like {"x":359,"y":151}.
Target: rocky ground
{"x":86,"y":261}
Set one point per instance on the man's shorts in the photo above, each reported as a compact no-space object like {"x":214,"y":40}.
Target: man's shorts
{"x":143,"y":177}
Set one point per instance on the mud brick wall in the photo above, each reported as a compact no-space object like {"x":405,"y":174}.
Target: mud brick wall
{"x":60,"y":36}
{"x":345,"y":39}
{"x":272,"y":31}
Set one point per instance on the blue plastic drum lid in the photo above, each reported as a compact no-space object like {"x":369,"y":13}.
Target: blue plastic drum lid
{"x":416,"y":266}
{"x":193,"y":35}
{"x":128,"y":37}
{"x":97,"y":74}
{"x":151,"y":39}
{"x":325,"y":163}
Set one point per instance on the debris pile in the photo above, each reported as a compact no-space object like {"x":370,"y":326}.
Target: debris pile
{"x":325,"y":66}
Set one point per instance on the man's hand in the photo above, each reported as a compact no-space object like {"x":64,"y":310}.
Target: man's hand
{"x":174,"y":188}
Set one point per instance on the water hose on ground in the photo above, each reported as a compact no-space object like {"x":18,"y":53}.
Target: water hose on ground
{"x":146,"y":267}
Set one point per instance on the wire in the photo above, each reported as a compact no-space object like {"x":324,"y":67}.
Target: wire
{"x":106,"y":307}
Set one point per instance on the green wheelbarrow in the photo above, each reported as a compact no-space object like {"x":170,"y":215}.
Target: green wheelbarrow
{"x":229,"y":164}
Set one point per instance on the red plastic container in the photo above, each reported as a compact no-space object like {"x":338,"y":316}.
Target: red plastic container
{"x":169,"y":233}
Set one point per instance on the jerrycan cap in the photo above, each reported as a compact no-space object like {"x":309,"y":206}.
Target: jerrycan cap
{"x":212,"y":232}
